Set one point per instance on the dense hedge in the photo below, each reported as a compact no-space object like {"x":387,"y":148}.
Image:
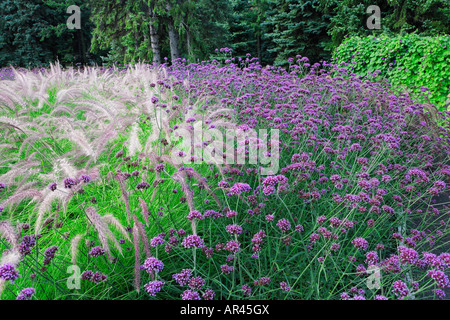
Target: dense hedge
{"x":414,"y":61}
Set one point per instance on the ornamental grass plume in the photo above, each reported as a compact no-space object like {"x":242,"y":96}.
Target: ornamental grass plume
{"x":34,"y":194}
{"x":121,"y":180}
{"x":137,"y":263}
{"x":145,"y":212}
{"x":104,"y":233}
{"x":142,"y":234}
{"x":74,"y":247}
{"x":8,"y":232}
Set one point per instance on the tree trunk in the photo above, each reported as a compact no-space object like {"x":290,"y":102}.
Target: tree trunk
{"x":173,"y":35}
{"x":189,"y":45}
{"x":154,"y":37}
{"x":174,"y":42}
{"x":83,"y":49}
{"x":258,"y":46}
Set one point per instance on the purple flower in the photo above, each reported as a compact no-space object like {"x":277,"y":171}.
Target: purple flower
{"x":345,"y":296}
{"x":233,"y":246}
{"x":87,"y":275}
{"x":371,"y":258}
{"x":26,"y":294}
{"x":263,"y":281}
{"x":212,"y":214}
{"x":247,"y":290}
{"x":400,"y":289}
{"x":238,"y":188}
{"x":407,"y":255}
{"x":440,"y":277}
{"x":284,"y":286}
{"x":69,"y":183}
{"x":97,"y":251}
{"x":26,"y":244}
{"x":193,"y":241}
{"x":196,"y":283}
{"x":183,"y":277}
{"x":142,"y":185}
{"x":439,"y":293}
{"x":152,"y":264}
{"x":321,"y":219}
{"x":226,"y":269}
{"x":209,"y":294}
{"x":153,"y":287}
{"x":231,"y":214}
{"x":195,"y":214}
{"x":8,"y":272}
{"x":234,"y":229}
{"x":156,"y":241}
{"x":85,"y":178}
{"x":98,"y":277}
{"x":224,"y":184}
{"x":284,"y":225}
{"x":52,"y":186}
{"x":360,"y":243}
{"x":49,"y":254}
{"x":314,"y":237}
{"x":190,"y":295}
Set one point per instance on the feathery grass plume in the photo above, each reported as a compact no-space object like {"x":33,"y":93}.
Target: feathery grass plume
{"x":64,"y":165}
{"x":93,"y":173}
{"x":180,"y":177}
{"x":111,"y":220}
{"x":97,"y":105}
{"x":137,"y":263}
{"x":74,"y":247}
{"x":6,"y":122}
{"x":109,"y":176}
{"x":45,"y":205}
{"x":144,"y":208}
{"x":23,"y":184}
{"x":159,"y":125}
{"x":134,"y":145}
{"x":8,"y":147}
{"x":144,"y":238}
{"x":202,"y":182}
{"x":11,"y":256}
{"x":34,"y":194}
{"x":121,"y":180}
{"x":29,"y":141}
{"x":104,"y":234}
{"x":68,"y":94}
{"x":81,"y":140}
{"x":18,"y":169}
{"x":8,"y":98}
{"x":62,"y":109}
{"x":99,"y":146}
{"x":8,"y":232}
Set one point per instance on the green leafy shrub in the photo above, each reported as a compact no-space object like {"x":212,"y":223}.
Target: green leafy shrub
{"x":419,"y":63}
